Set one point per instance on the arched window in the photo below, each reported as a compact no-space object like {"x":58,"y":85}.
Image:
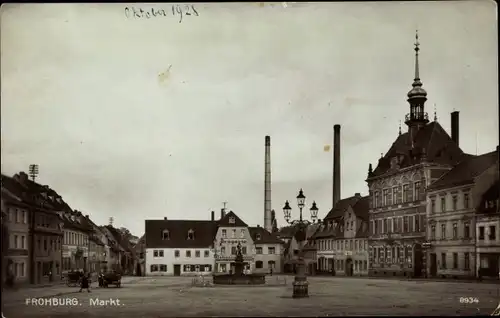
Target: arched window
{"x":258,"y":264}
{"x":165,"y":235}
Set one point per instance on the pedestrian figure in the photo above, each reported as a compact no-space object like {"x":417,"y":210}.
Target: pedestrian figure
{"x":271,"y":271}
{"x":101,"y":279}
{"x":84,"y":283}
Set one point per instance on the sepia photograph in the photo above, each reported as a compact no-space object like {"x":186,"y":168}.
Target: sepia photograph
{"x":250,"y":159}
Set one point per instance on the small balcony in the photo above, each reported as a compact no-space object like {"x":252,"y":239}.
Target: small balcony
{"x":424,"y":117}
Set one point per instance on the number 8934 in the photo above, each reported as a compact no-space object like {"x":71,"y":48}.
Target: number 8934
{"x":469,"y":300}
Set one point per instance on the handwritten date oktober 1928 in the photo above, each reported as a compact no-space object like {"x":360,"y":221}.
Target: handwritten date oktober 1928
{"x":176,"y":10}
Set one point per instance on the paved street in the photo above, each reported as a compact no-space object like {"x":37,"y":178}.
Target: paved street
{"x":175,"y":296}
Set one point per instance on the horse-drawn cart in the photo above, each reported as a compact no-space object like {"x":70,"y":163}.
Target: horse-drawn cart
{"x":111,"y":279}
{"x":73,"y":279}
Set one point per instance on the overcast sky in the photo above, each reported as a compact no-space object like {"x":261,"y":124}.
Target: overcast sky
{"x":139,"y":118}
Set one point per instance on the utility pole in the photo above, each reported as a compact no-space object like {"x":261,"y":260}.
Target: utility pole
{"x":33,"y":171}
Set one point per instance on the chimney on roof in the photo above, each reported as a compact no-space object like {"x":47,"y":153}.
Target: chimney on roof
{"x":87,"y":216}
{"x":213,"y":215}
{"x":454,"y":126}
{"x":357,"y":194}
{"x":21,"y":177}
{"x":165,"y":218}
{"x":258,"y":225}
{"x":336,"y":164}
{"x":222,"y":213}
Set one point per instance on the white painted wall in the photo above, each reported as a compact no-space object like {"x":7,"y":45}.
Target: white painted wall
{"x":169,"y":259}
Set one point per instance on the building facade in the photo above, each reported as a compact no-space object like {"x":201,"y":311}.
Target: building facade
{"x":179,"y":247}
{"x":76,"y":244}
{"x":488,"y":233}
{"x":16,"y":237}
{"x":452,"y":201}
{"x":342,"y":239}
{"x":397,"y":188}
{"x":43,"y":242}
{"x":140,"y":250}
{"x":268,"y":251}
{"x":113,"y":250}
{"x":295,"y":244}
{"x":231,"y":232}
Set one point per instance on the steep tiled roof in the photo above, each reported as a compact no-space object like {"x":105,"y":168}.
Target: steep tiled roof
{"x":261,"y":236}
{"x":360,"y":207}
{"x":490,"y":199}
{"x":432,"y":140}
{"x":120,"y":239}
{"x":237,"y":221}
{"x":44,"y":198}
{"x":204,"y":233}
{"x":10,"y":198}
{"x":465,"y":171}
{"x":358,"y":203}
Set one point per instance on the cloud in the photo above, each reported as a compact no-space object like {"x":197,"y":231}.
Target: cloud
{"x":81,"y":97}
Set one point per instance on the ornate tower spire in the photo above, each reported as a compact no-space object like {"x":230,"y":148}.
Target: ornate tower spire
{"x":416,"y":97}
{"x":435,"y":113}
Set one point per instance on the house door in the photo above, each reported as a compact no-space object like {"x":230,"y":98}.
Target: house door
{"x":418,"y":260}
{"x":177,"y":270}
{"x":433,"y":265}
{"x":349,"y":267}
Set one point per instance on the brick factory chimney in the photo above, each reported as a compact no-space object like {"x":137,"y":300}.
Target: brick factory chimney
{"x":336,"y":164}
{"x":268,"y":219}
{"x":454,"y":126}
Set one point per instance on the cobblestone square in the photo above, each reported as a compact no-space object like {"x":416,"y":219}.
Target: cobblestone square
{"x":329,"y":296}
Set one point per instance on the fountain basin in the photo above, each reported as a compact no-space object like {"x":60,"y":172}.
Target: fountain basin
{"x":244,"y":279}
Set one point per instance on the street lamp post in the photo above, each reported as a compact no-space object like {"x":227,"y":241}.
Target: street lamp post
{"x":300,"y":284}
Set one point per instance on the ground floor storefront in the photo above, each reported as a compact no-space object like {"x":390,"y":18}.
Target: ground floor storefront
{"x":488,"y":264}
{"x":405,"y":258}
{"x":451,"y":261}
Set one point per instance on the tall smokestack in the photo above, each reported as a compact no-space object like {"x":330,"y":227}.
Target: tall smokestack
{"x":268,"y":220}
{"x":336,"y":164}
{"x":454,"y":126}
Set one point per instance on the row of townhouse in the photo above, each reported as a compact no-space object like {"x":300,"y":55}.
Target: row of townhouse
{"x":432,"y":211}
{"x":201,"y":247}
{"x":43,"y":237}
{"x":432,"y":208}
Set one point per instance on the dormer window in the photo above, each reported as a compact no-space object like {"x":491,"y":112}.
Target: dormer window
{"x":257,"y":237}
{"x":190,"y":235}
{"x":232,"y":220}
{"x":165,"y":235}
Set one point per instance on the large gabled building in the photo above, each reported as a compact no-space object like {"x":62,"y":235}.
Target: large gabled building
{"x":44,"y":237}
{"x":397,"y":187}
{"x":342,"y":239}
{"x":179,"y":247}
{"x":231,"y":231}
{"x":452,"y":201}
